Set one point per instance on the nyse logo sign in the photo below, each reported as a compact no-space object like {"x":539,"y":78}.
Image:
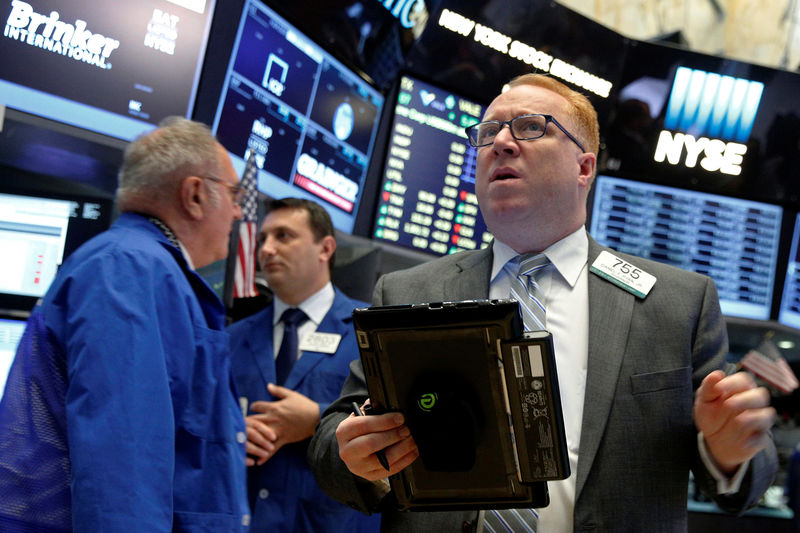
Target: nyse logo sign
{"x":708,"y":104}
{"x":715,"y":115}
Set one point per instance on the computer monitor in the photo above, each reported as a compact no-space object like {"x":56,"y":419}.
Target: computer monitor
{"x":310,"y":120}
{"x":39,"y":228}
{"x":734,"y":241}
{"x":789,"y":313}
{"x":427,"y":196}
{"x":11,"y":330}
{"x":115,"y":68}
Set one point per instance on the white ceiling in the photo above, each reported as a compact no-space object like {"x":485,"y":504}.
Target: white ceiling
{"x":764,"y":32}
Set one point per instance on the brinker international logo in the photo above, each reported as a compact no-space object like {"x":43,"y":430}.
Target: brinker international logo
{"x":56,"y":36}
{"x":705,"y":110}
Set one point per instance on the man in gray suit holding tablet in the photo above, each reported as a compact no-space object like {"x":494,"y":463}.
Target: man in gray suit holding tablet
{"x":638,"y":346}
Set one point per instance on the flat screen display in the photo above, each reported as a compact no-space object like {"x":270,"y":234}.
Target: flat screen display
{"x":33,"y":231}
{"x":10,"y":334}
{"x":37,"y":232}
{"x":705,"y":123}
{"x":116,"y":68}
{"x":427,"y":196}
{"x":789,"y":313}
{"x":309,"y":120}
{"x":733,"y":241}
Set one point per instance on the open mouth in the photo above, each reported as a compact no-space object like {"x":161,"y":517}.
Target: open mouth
{"x":503,"y":174}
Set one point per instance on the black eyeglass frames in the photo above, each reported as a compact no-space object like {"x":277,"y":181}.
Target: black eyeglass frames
{"x":523,"y":128}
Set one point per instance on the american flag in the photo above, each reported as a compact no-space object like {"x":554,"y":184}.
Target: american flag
{"x":766,"y":362}
{"x":244,"y":278}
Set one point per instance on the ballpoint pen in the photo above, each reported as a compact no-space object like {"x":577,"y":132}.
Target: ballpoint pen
{"x":380,"y":453}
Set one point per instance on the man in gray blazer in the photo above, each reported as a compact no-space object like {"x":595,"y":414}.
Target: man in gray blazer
{"x":643,"y":399}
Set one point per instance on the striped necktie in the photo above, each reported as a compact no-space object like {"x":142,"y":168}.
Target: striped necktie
{"x":510,"y":520}
{"x":523,"y":270}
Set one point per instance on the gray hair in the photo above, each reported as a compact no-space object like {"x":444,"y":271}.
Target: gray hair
{"x":155,"y":163}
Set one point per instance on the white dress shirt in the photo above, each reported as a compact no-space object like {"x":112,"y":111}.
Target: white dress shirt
{"x":565,"y":287}
{"x":315,"y":307}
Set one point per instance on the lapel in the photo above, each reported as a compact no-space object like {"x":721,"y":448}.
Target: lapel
{"x":470,"y":280}
{"x":259,"y":345}
{"x":338,"y":320}
{"x":610,"y":313}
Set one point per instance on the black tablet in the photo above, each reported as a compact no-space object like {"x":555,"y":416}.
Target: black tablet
{"x":441,"y":365}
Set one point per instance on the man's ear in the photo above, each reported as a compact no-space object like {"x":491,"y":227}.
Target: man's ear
{"x":194,"y":197}
{"x":328,"y":246}
{"x":587,"y":162}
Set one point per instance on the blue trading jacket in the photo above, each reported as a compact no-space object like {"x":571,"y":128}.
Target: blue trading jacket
{"x":119,"y":412}
{"x":284,"y":495}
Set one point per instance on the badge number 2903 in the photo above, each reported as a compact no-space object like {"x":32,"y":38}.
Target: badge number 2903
{"x":623,"y":274}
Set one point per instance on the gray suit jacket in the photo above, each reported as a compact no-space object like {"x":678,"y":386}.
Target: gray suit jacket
{"x":638,"y":440}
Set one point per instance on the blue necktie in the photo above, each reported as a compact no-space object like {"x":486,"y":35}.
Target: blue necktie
{"x":287,"y":354}
{"x":523,"y":270}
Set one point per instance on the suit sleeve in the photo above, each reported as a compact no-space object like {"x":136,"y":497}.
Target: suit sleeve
{"x":323,"y":451}
{"x":709,"y":351}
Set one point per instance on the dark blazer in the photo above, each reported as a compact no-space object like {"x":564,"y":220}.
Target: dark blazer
{"x":638,"y":440}
{"x":283,"y":494}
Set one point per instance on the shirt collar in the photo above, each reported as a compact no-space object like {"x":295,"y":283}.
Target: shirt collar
{"x":569,"y":255}
{"x":172,"y":238}
{"x":315,"y":306}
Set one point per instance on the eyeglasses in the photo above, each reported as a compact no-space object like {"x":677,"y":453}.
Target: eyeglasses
{"x":523,"y":128}
{"x":237,"y":193}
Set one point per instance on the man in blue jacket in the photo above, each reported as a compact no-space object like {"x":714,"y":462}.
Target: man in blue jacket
{"x":287,"y":371}
{"x":119,"y":412}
